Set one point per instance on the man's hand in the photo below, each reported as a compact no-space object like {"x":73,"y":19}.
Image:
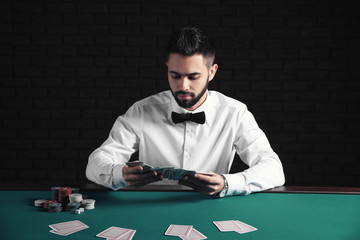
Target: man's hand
{"x":210,"y":185}
{"x":134,"y":177}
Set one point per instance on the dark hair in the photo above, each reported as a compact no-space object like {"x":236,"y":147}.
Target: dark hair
{"x":188,"y":41}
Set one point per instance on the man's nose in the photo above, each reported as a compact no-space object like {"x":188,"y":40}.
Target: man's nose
{"x":184,"y":83}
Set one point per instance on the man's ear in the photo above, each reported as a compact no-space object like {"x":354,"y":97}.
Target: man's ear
{"x":212,"y":71}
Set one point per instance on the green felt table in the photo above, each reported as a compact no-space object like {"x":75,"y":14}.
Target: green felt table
{"x":276,"y":215}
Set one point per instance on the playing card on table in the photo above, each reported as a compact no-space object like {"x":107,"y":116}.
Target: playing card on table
{"x":178,"y":230}
{"x":227,"y":226}
{"x":245,"y":227}
{"x":127,"y":236}
{"x":65,"y":232}
{"x":194,"y":235}
{"x":67,"y":225}
{"x":67,"y":228}
{"x":113,"y":232}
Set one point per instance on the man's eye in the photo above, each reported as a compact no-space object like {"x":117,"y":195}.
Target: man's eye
{"x":176,"y":76}
{"x":193,"y":78}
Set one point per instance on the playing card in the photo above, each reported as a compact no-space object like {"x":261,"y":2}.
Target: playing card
{"x":161,"y":169}
{"x":113,"y":232}
{"x":194,"y":235}
{"x":245,"y":227}
{"x":68,"y":231}
{"x":173,"y":173}
{"x":227,"y":226}
{"x":177,"y":230}
{"x":146,"y":167}
{"x":180,"y":174}
{"x":134,"y":163}
{"x":67,"y":225}
{"x":127,"y":236}
{"x":166,"y":173}
{"x":205,"y":173}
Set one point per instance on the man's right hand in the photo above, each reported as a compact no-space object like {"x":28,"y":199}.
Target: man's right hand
{"x":135,"y":178}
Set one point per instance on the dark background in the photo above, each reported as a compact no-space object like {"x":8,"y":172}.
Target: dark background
{"x":69,"y":68}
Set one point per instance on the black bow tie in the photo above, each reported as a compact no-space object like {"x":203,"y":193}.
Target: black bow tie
{"x":195,"y":117}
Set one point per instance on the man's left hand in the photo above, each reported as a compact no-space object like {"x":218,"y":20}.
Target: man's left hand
{"x":207,"y":184}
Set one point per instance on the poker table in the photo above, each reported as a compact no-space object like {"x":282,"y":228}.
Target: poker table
{"x":280,"y":213}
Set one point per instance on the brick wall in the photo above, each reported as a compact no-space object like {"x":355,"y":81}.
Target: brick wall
{"x":69,"y":68}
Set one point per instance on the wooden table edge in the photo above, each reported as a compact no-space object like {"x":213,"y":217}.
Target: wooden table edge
{"x":315,"y":190}
{"x":180,"y":188}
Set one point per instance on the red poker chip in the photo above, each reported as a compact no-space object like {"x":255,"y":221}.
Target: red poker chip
{"x":63,"y":194}
{"x":47,"y":202}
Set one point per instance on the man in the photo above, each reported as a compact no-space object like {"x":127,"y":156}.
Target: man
{"x":223,"y":127}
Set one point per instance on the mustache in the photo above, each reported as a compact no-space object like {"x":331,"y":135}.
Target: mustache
{"x":184,"y":93}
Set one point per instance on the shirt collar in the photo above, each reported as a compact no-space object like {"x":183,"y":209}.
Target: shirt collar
{"x":204,"y":107}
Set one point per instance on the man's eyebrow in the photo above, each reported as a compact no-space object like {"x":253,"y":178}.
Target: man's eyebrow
{"x":189,"y":74}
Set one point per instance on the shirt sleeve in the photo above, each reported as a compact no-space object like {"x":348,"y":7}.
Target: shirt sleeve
{"x":106,"y":162}
{"x":265,"y":169}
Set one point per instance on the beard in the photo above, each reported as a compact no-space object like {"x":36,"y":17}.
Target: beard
{"x":194,"y":99}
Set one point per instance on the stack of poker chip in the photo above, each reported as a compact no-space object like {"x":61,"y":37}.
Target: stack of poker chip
{"x":55,"y":193}
{"x":54,"y":207}
{"x":63,"y":196}
{"x":48,"y":202}
{"x":88,"y":204}
{"x":76,"y":197}
{"x":39,"y":202}
{"x":72,"y":206}
{"x":66,"y":199}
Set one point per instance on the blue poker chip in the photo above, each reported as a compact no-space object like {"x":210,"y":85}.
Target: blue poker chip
{"x":72,"y":206}
{"x":54,"y":207}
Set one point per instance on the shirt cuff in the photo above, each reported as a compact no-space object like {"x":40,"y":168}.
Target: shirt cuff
{"x":118,"y":178}
{"x":236,"y":184}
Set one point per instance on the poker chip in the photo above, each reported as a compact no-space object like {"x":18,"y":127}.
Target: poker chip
{"x":47,"y":202}
{"x":54,"y":207}
{"x":70,"y":207}
{"x":88,"y":204}
{"x":75,"y":197}
{"x":64,"y":192}
{"x":55,"y":193}
{"x":39,"y":202}
{"x":66,"y":199}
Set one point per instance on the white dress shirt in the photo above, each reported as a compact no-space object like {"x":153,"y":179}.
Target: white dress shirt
{"x":229,"y":128}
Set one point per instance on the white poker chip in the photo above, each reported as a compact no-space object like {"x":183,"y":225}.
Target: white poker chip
{"x":89,"y":207}
{"x":88,"y":204}
{"x":75,"y":197}
{"x":39,"y":202}
{"x":88,"y":201}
